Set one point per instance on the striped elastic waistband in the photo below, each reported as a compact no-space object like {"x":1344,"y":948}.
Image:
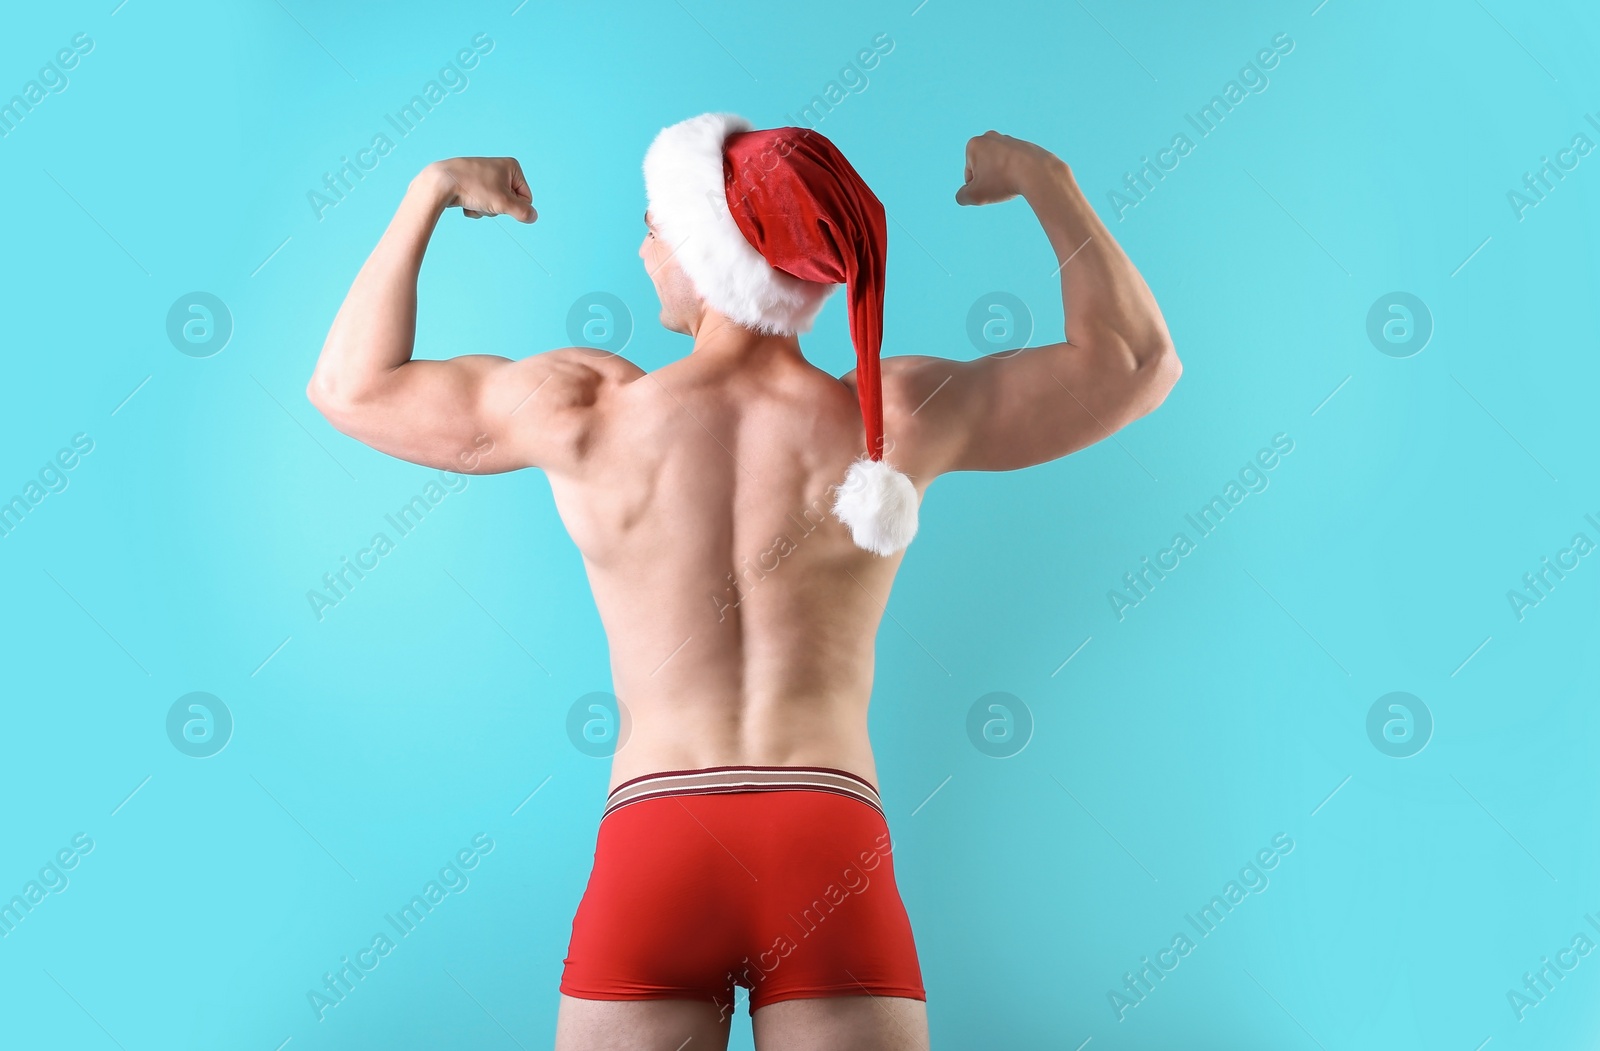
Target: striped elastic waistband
{"x":721,"y":779}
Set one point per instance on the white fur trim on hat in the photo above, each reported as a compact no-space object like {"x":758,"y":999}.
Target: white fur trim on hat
{"x":879,"y":504}
{"x":689,"y":206}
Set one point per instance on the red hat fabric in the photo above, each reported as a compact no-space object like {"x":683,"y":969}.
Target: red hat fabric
{"x":811,"y":215}
{"x":766,"y":224}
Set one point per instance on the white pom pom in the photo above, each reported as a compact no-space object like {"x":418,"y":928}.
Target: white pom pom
{"x":879,"y":504}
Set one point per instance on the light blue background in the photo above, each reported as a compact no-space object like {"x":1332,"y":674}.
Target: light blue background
{"x":1228,"y":707}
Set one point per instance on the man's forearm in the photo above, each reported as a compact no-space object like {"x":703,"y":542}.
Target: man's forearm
{"x":375,"y":329}
{"x":1104,"y":298}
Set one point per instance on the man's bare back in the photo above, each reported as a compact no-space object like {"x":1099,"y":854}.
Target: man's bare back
{"x":740,"y":613}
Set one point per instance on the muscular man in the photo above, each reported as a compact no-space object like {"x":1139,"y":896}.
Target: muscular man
{"x":743,"y":841}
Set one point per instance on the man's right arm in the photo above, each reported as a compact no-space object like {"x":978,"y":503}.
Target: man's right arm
{"x":1019,"y":408}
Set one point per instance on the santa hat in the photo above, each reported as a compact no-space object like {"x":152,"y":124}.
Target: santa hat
{"x":766,"y":224}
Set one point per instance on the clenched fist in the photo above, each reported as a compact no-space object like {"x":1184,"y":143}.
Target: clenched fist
{"x":998,"y":166}
{"x":482,"y":186}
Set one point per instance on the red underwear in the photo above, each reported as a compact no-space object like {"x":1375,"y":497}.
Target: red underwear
{"x":778,"y":879}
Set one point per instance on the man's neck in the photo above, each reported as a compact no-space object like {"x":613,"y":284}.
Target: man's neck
{"x":720,"y":340}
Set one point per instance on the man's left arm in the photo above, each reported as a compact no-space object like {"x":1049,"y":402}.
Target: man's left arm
{"x":473,"y":413}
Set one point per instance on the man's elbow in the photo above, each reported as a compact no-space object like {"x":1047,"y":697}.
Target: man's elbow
{"x":1161,"y":371}
{"x":319,"y":393}
{"x":327,"y":397}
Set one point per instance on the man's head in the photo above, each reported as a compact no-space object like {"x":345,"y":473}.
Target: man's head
{"x":682,"y":307}
{"x":695,"y":214}
{"x":759,"y":227}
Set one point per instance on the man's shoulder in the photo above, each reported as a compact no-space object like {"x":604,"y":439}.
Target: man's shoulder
{"x":904,"y":371}
{"x":909,"y":381}
{"x":574,"y":362}
{"x":555,"y":403}
{"x":573,"y":377}
{"x":922,"y":409}
{"x":560,"y":383}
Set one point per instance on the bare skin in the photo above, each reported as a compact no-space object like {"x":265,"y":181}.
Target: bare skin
{"x":740,"y":615}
